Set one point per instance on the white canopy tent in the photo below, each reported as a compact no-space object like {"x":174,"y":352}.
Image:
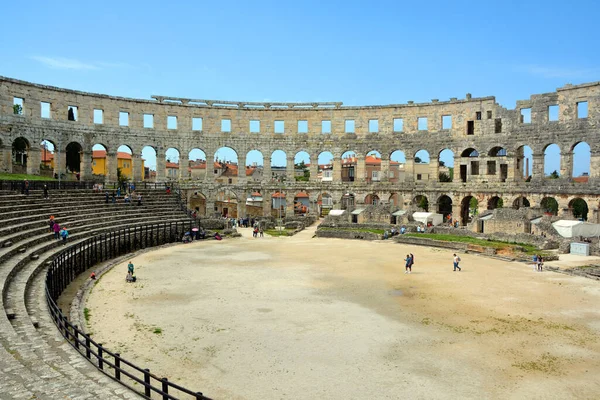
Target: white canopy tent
{"x":337,"y":213}
{"x":427,"y":217}
{"x":572,"y":228}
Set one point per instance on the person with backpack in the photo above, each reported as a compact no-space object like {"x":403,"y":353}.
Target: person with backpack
{"x":64,"y":234}
{"x":407,"y":265}
{"x":456,"y":261}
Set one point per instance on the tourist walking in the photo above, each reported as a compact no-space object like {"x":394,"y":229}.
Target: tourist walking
{"x":46,"y":191}
{"x":262,"y":232}
{"x":56,"y":228}
{"x":139,"y":200}
{"x":51,"y":222}
{"x":26,"y":187}
{"x":407,"y":265}
{"x":540,"y":263}
{"x":114,"y":198}
{"x":130,"y":267}
{"x":456,"y":260}
{"x":106,"y":196}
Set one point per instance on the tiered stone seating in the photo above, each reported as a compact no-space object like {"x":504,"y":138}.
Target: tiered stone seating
{"x":35,"y":361}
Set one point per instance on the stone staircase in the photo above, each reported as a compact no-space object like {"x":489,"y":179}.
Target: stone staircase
{"x":36,"y":362}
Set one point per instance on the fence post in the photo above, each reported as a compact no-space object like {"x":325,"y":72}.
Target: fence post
{"x":88,"y":344}
{"x":118,"y":366}
{"x":199,"y":396}
{"x":100,"y":359}
{"x":76,"y":336}
{"x":165,"y":388}
{"x":147,"y":382}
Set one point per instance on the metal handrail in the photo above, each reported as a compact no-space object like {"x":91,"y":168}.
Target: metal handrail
{"x":74,"y":260}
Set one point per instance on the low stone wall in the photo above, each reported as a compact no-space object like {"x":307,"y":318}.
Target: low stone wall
{"x":355,"y":226}
{"x":347,"y":234}
{"x":212,"y":223}
{"x":540,"y":242}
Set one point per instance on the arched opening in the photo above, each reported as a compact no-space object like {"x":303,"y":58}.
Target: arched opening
{"x":581,"y":162}
{"x":421,"y":166}
{"x":520,"y":202}
{"x":99,"y":165}
{"x":197,"y":164}
{"x":279,"y":165}
{"x":579,"y":208}
{"x":445,"y":207}
{"x":325,"y":203}
{"x":172,"y":163}
{"x":421,"y":202}
{"x":495,"y":202}
{"x":498,"y":165}
{"x":149,"y":157}
{"x":349,"y":167}
{"x":552,"y":161}
{"x":73,"y":157}
{"x":469,"y":165}
{"x":48,"y":163}
{"x":226,"y":203}
{"x":446,"y":165}
{"x":372,"y":199}
{"x":523,"y":163}
{"x":278,"y":204}
{"x":301,"y":203}
{"x":225,"y":168}
{"x":254,"y":203}
{"x":198,"y":203}
{"x":395,"y":200}
{"x":397,"y":162}
{"x":20,"y":154}
{"x":325,"y":171}
{"x":124,"y":162}
{"x":373,"y":169}
{"x":301,"y":166}
{"x":468,"y":209}
{"x":254,"y":166}
{"x":347,"y":201}
{"x":549,"y":206}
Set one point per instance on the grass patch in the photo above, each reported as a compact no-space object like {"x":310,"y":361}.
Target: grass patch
{"x":19,"y":177}
{"x":371,"y":230}
{"x":529,"y":249}
{"x":157,"y":331}
{"x":276,"y":232}
{"x":87,"y":314}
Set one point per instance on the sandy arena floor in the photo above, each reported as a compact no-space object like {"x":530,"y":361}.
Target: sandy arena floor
{"x":291,"y":318}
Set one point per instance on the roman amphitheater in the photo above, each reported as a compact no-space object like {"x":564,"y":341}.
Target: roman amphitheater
{"x":300,"y":316}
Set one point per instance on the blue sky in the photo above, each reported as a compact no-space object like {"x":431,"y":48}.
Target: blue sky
{"x":357,"y":52}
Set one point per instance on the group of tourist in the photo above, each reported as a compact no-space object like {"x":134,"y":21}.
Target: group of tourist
{"x":538,"y":263}
{"x":127,"y":199}
{"x":257,"y":230}
{"x":130,"y":278}
{"x":58,"y":231}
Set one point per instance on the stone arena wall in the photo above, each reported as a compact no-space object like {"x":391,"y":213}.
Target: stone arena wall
{"x":477,"y":124}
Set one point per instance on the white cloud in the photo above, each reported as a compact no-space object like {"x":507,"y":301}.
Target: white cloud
{"x":558,"y":72}
{"x":69,"y":63}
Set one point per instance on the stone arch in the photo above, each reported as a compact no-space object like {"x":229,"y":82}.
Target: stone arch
{"x":444,"y":203}
{"x":325,"y":203}
{"x":579,"y":208}
{"x":197,"y":164}
{"x":421,"y":165}
{"x":549,"y":206}
{"x":396,"y":168}
{"x":497,"y":151}
{"x":125,"y":160}
{"x":519,"y":202}
{"x":301,"y":203}
{"x":523,"y":163}
{"x":73,"y":157}
{"x":347,"y":201}
{"x":468,"y":209}
{"x":226,"y":202}
{"x":20,"y":154}
{"x":372,"y":199}
{"x":225,"y":166}
{"x":373,"y":167}
{"x":278,"y":204}
{"x":497,"y":165}
{"x":99,"y":155}
{"x":421,"y":202}
{"x":581,"y":161}
{"x":446,"y":165}
{"x":254,"y":158}
{"x":349,"y":166}
{"x":495,"y":202}
{"x":148,"y":154}
{"x":325,"y":166}
{"x":552,"y":162}
{"x":48,"y":156}
{"x":302,"y":166}
{"x":469,"y":152}
{"x":395,"y":200}
{"x":197,"y":202}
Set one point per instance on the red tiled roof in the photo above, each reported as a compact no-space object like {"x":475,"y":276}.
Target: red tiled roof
{"x":279,"y":195}
{"x":581,"y":179}
{"x":256,"y":194}
{"x":49,"y":155}
{"x":198,"y":166}
{"x":302,"y":195}
{"x":102,"y":154}
{"x":172,"y":165}
{"x":250,"y":170}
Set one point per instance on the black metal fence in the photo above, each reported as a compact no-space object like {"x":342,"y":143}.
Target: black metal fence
{"x":74,"y":260}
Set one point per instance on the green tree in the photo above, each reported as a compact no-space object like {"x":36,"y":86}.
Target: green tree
{"x":473,"y":204}
{"x":423,"y":203}
{"x":500,"y":203}
{"x":17,"y":109}
{"x":418,"y":160}
{"x":580,"y":209}
{"x":554,"y":175}
{"x":444,"y":177}
{"x":121,"y":178}
{"x":550,"y":205}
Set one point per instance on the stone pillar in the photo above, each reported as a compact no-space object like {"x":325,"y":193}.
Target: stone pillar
{"x":241,"y":208}
{"x":409,"y":170}
{"x":537,"y":170}
{"x":210,"y":207}
{"x":359,"y":173}
{"x":289,"y":204}
{"x":111,"y":167}
{"x":60,"y":162}
{"x":434,"y":170}
{"x":183,"y":167}
{"x":337,"y":169}
{"x":241,"y":173}
{"x":314,"y":167}
{"x":85,"y":165}
{"x":594,"y":164}
{"x":267,"y":170}
{"x":566,"y":165}
{"x":34,"y":158}
{"x":289,"y":170}
{"x":267,"y":203}
{"x":5,"y":159}
{"x":161,"y":165}
{"x":138,"y":173}
{"x":384,"y":173}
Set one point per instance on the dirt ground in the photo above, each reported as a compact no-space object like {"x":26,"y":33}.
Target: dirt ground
{"x":300,"y":317}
